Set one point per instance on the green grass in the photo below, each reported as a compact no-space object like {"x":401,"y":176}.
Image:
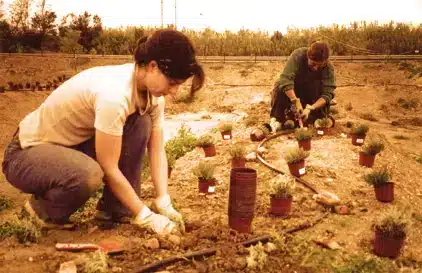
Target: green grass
{"x":5,"y":203}
{"x":24,"y":230}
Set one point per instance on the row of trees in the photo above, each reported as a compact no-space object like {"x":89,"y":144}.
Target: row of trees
{"x":85,"y":33}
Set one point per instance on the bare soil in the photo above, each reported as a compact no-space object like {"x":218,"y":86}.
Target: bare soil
{"x":376,"y":91}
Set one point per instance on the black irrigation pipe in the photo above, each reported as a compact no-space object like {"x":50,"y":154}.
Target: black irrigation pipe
{"x":271,"y":167}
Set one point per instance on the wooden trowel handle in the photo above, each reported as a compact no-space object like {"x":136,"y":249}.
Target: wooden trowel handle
{"x":76,"y":247}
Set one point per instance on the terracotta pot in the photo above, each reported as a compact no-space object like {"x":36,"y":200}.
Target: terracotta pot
{"x":366,"y":160}
{"x":280,"y":207}
{"x":206,"y":186}
{"x":305,"y":144}
{"x":297,"y":169}
{"x":322,"y":131}
{"x":226,"y":135}
{"x":358,"y":140}
{"x":169,"y":169}
{"x":386,"y":246}
{"x":238,"y":162}
{"x":242,"y":196}
{"x":209,"y":150}
{"x":385,"y":192}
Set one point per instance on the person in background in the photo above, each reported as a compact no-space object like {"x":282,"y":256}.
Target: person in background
{"x":305,"y":88}
{"x":97,"y":127}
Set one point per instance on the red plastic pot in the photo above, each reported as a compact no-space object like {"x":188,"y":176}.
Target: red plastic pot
{"x":386,"y":246}
{"x":297,"y":169}
{"x":242,"y":196}
{"x":238,"y":162}
{"x":209,"y":150}
{"x":385,"y":192}
{"x":358,"y":140}
{"x":280,"y":207}
{"x":366,"y":160}
{"x":322,"y":131}
{"x":206,"y":186}
{"x":226,"y":135}
{"x":305,"y":144}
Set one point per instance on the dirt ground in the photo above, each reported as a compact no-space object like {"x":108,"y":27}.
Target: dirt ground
{"x":386,"y":93}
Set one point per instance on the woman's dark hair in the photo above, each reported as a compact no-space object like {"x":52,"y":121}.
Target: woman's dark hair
{"x":318,"y":51}
{"x":174,"y":54}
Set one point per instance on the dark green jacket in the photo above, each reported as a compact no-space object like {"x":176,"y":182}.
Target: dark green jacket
{"x":308,"y":85}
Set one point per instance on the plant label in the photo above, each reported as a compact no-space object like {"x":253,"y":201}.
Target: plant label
{"x":211,"y":189}
{"x":226,"y":137}
{"x":302,"y":171}
{"x":320,"y":132}
{"x":359,"y":140}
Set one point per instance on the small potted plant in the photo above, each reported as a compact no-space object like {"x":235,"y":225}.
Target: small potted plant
{"x":303,"y":137}
{"x":238,"y":154}
{"x":322,"y":125}
{"x":295,"y":159}
{"x":225,"y":129}
{"x":358,"y":134}
{"x":205,"y":173}
{"x":390,"y":233}
{"x":281,"y":195}
{"x":381,"y":180}
{"x":171,"y":161}
{"x":369,"y":151}
{"x":207,"y":142}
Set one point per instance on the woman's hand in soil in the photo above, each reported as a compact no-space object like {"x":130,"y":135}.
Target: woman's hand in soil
{"x":154,"y":223}
{"x":164,"y":207}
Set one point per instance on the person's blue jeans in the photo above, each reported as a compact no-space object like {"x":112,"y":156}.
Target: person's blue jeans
{"x":63,"y":178}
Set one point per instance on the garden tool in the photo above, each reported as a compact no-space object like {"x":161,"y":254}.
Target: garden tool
{"x":109,"y":247}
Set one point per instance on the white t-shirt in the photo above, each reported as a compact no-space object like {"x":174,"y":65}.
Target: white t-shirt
{"x":97,"y":98}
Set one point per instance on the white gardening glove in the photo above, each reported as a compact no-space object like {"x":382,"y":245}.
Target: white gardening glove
{"x":164,"y":207}
{"x":275,"y":125}
{"x":154,"y":223}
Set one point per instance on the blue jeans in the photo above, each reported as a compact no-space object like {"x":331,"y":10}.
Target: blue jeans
{"x":63,"y":178}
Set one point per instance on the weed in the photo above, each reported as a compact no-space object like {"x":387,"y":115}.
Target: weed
{"x":244,"y":73}
{"x":407,"y":104}
{"x":237,"y":151}
{"x":378,"y":177}
{"x":395,"y":123}
{"x":401,"y":137}
{"x":204,"y":170}
{"x":206,"y":116}
{"x":349,"y":124}
{"x":359,"y":130}
{"x":5,"y":203}
{"x":182,"y":143}
{"x":257,"y":256}
{"x":303,"y":133}
{"x":295,"y":155}
{"x":373,"y":147}
{"x":96,"y":262}
{"x":349,"y":107}
{"x":24,"y":230}
{"x":360,"y":264}
{"x":419,"y":159}
{"x":368,"y":116}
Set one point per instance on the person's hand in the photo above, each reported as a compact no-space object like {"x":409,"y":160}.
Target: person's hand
{"x":275,"y":125}
{"x":154,"y":223}
{"x":297,"y":106}
{"x":306,"y":112}
{"x":164,"y":207}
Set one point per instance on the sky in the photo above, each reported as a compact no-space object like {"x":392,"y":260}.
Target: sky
{"x":221,"y":15}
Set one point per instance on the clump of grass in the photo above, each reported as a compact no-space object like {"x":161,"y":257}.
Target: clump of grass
{"x":359,"y":130}
{"x":206,"y":116}
{"x":323,"y":123}
{"x":303,"y":133}
{"x":225,"y":127}
{"x":204,"y":170}
{"x":419,"y":159}
{"x":205,"y":141}
{"x":360,"y":264}
{"x":368,"y":116}
{"x":182,"y":143}
{"x":393,"y":223}
{"x":372,"y":147}
{"x":282,"y":188}
{"x":295,"y":155}
{"x":349,"y":107}
{"x":5,"y":203}
{"x":24,"y":230}
{"x":237,"y":151}
{"x":378,"y":177}
{"x":407,"y":104}
{"x":401,"y":137}
{"x":349,"y":124}
{"x":96,"y":262}
{"x":257,"y":257}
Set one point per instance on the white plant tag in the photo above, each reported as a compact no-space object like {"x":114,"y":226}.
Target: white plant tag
{"x":226,"y":137}
{"x":320,"y":132}
{"x":359,"y":140}
{"x":211,"y":189}
{"x":302,"y":171}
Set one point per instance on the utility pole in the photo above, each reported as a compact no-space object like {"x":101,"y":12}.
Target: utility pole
{"x":175,"y":15}
{"x":162,"y":6}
